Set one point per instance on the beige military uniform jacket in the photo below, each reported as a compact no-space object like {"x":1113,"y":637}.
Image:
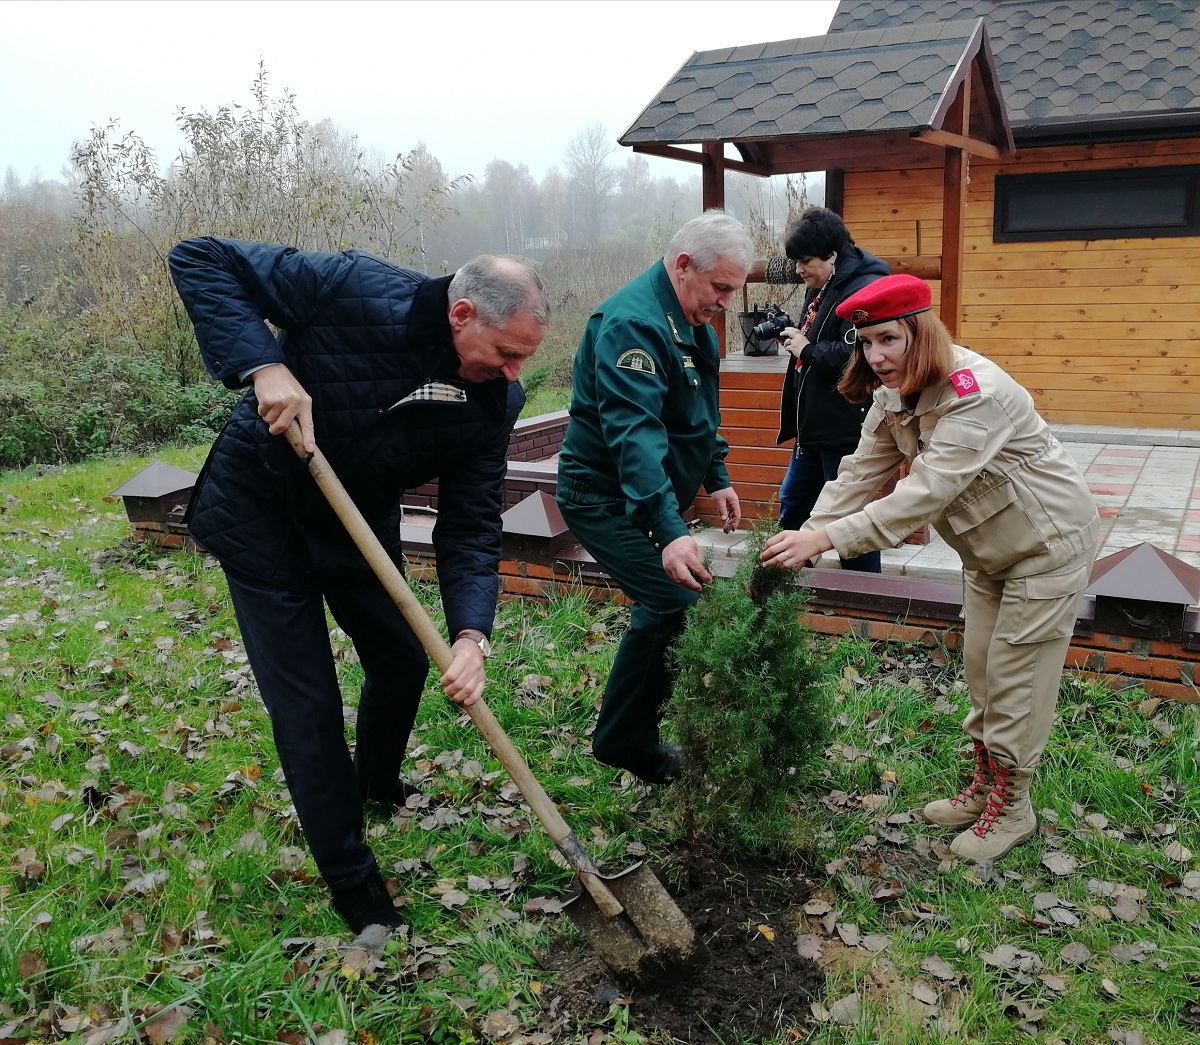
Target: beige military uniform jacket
{"x":986,"y":472}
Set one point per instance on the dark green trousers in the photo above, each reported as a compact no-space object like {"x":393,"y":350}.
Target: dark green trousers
{"x":641,"y":679}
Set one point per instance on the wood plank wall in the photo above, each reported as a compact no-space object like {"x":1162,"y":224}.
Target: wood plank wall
{"x":750,"y":390}
{"x":1101,"y":332}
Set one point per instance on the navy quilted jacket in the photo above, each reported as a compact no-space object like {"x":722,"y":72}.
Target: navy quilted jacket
{"x":360,"y":334}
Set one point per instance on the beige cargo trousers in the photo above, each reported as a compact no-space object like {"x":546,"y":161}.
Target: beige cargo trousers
{"x":1016,"y":636}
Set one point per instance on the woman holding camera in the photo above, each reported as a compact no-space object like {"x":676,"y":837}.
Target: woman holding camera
{"x":824,"y":424}
{"x":989,"y":475}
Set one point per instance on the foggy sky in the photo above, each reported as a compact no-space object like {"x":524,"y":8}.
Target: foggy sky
{"x":472,"y":80}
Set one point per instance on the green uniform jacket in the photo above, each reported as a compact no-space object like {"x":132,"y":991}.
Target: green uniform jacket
{"x":645,"y":407}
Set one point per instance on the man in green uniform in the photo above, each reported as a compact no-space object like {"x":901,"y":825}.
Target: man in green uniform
{"x":641,"y":442}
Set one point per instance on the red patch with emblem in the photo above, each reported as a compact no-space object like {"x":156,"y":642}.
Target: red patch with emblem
{"x":964,"y":383}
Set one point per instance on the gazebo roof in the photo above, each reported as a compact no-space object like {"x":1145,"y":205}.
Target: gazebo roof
{"x":777,"y":101}
{"x":1106,"y":64}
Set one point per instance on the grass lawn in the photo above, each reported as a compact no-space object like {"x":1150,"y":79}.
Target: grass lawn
{"x":152,"y":873}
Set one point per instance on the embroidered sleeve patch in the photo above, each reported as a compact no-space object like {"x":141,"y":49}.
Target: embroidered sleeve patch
{"x":964,"y":383}
{"x":637,"y":359}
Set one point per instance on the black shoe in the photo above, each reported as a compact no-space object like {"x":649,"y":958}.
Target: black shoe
{"x":396,"y":798}
{"x":367,"y":903}
{"x":669,"y":767}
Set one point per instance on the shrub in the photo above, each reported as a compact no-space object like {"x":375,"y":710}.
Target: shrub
{"x":65,"y":398}
{"x":752,"y":709}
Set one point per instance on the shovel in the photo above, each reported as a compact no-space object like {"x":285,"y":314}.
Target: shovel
{"x":629,"y":919}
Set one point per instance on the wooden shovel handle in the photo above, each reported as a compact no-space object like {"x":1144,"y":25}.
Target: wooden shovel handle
{"x":438,"y":649}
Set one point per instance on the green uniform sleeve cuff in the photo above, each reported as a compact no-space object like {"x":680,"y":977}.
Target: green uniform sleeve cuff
{"x":666,"y":530}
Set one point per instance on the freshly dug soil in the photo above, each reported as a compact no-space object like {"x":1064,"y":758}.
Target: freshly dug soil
{"x":754,"y":985}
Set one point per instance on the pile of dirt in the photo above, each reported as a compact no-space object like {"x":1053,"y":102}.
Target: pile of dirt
{"x":755,"y":985}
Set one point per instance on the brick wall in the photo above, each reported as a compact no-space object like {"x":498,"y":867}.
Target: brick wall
{"x":535,"y":440}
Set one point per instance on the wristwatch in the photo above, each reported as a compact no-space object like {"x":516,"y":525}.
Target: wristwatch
{"x":480,"y":640}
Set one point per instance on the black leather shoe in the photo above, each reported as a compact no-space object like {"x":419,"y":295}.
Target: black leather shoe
{"x":669,"y":768}
{"x":367,"y":903}
{"x":395,"y":799}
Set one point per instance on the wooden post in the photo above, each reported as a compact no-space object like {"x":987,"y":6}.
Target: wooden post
{"x":835,"y":190}
{"x":954,"y":211}
{"x":712,"y":194}
{"x":954,"y":219}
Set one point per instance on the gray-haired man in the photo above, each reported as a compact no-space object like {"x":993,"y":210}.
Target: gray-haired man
{"x":641,"y":442}
{"x":403,"y":379}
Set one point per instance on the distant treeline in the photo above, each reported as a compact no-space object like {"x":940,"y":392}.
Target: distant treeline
{"x":96,"y":353}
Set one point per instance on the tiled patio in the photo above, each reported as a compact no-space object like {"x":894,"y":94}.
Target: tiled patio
{"x":1144,"y":481}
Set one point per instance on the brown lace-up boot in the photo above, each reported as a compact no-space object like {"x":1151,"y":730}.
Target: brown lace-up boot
{"x":1006,"y":821}
{"x":967,"y":806}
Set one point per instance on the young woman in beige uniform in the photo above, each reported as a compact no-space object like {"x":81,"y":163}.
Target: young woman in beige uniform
{"x":987,"y":473}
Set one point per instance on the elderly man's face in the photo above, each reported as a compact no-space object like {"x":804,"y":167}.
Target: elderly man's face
{"x":705,"y":293}
{"x":487,"y":352}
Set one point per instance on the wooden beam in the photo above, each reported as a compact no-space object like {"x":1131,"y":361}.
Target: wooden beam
{"x":674,"y":152}
{"x":949,"y":139}
{"x":851,"y":153}
{"x":954,"y":220}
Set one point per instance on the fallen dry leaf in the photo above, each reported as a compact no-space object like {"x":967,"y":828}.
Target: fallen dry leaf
{"x":1060,"y":863}
{"x":499,"y":1024}
{"x":846,"y":1011}
{"x":937,"y":966}
{"x":30,"y":963}
{"x":1179,"y":853}
{"x":146,"y":884}
{"x":925,"y":994}
{"x":810,"y":946}
{"x":160,"y":1025}
{"x":1075,"y":954}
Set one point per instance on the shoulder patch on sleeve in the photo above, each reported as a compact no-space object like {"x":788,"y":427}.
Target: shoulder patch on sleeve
{"x":637,"y":359}
{"x":963,"y":382}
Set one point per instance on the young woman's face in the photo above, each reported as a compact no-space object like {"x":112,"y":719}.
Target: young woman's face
{"x":884,"y":347}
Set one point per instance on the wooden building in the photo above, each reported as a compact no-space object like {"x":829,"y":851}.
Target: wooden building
{"x":1037,"y":160}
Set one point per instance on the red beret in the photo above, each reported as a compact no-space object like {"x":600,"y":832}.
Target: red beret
{"x":892,"y":297}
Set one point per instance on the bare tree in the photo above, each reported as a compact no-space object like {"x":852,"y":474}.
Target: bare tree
{"x":592,"y":178}
{"x":513,"y":195}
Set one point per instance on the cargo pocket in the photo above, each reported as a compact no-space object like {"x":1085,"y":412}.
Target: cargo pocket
{"x":996,"y":528}
{"x":1049,"y":604}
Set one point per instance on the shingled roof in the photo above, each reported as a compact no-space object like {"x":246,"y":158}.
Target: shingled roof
{"x":1106,"y":64}
{"x":892,"y":79}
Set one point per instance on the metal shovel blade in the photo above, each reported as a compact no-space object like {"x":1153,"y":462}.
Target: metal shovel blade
{"x":651,"y":942}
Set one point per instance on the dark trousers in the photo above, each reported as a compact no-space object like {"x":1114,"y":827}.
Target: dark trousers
{"x":642,"y":677}
{"x":810,"y":469}
{"x":287,"y":641}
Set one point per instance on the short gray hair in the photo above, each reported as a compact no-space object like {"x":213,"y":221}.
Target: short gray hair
{"x":499,"y":287}
{"x":711,"y":236}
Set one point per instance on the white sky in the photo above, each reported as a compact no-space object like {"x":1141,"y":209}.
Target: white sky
{"x":472,"y":80}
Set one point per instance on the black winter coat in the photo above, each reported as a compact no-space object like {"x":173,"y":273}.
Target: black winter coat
{"x":812,"y":411}
{"x":359,"y":334}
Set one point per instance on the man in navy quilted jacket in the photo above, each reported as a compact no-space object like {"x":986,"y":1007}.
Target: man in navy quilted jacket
{"x":403,"y":379}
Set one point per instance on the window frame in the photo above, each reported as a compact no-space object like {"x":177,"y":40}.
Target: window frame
{"x":1009,"y":184}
